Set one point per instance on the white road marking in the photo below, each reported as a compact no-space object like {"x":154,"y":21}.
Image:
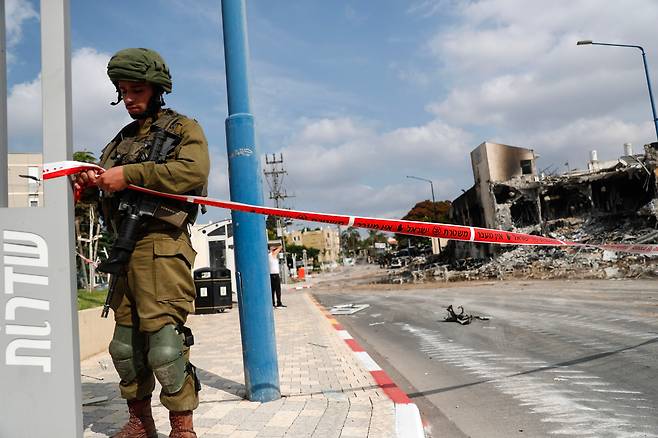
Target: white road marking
{"x":574,"y":402}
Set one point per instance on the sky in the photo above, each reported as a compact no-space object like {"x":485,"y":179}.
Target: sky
{"x":359,"y":94}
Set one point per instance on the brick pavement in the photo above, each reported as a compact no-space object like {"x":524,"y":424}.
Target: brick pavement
{"x":326,"y":392}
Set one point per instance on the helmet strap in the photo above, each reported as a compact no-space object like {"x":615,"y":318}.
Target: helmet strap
{"x":119,"y":98}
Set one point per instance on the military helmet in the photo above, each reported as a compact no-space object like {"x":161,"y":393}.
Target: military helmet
{"x":138,"y":64}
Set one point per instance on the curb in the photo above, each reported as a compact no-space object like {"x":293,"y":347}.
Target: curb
{"x":408,"y":423}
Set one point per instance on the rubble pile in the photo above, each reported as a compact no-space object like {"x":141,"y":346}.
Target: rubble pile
{"x":610,"y":202}
{"x":545,"y":262}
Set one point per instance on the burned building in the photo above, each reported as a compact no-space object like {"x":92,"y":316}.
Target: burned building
{"x":508,"y":193}
{"x":495,"y":163}
{"x":481,"y":205}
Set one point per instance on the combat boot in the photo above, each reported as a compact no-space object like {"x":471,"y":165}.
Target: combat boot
{"x":140,"y":424}
{"x":181,"y":425}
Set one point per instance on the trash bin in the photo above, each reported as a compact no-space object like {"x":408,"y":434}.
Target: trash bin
{"x":213,"y":290}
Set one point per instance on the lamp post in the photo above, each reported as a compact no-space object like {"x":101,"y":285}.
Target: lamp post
{"x":433,"y":200}
{"x":431,"y":186}
{"x":646,"y":72}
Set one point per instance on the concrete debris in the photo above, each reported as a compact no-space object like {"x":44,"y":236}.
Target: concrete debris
{"x":610,"y":202}
{"x":539,"y":262}
{"x":609,"y":256}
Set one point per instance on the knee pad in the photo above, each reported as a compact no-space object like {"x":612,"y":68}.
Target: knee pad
{"x":166,"y":358}
{"x":126,"y":359}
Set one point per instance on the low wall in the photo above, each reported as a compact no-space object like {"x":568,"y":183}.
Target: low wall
{"x":95,"y":332}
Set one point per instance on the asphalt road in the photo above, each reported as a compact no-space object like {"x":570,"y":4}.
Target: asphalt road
{"x":559,"y":358}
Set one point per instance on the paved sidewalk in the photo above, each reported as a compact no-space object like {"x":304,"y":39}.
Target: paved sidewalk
{"x":326,"y":390}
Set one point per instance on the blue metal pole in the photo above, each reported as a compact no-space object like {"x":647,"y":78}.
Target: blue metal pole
{"x":254,"y":294}
{"x":653,"y":106}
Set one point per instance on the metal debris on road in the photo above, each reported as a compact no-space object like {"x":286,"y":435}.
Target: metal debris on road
{"x":462,"y":317}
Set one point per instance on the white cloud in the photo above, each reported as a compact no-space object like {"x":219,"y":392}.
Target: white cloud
{"x":16,"y":13}
{"x":331,"y":131}
{"x":573,"y":141}
{"x":24,"y":116}
{"x":352,"y":166}
{"x":218,"y":186}
{"x":95,"y":122}
{"x":516,"y":73}
{"x":279,"y":97}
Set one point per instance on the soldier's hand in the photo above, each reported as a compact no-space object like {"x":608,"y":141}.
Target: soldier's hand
{"x":112,"y":180}
{"x":85,"y":179}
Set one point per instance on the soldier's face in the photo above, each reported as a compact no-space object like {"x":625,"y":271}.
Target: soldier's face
{"x":136,"y":95}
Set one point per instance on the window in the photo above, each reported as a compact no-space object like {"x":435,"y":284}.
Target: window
{"x":217,"y":250}
{"x":219,"y":231}
{"x":526,"y":167}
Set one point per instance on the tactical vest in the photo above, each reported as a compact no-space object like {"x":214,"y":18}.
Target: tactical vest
{"x":128,"y":147}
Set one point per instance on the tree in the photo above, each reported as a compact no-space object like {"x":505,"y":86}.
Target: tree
{"x":311,"y":253}
{"x":84,"y":156}
{"x":350,"y":240}
{"x":428,"y":211}
{"x":271,"y":225}
{"x":424,"y":211}
{"x":374,"y":236}
{"x":88,"y":231}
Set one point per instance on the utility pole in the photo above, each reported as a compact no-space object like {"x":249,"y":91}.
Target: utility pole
{"x":274,"y":175}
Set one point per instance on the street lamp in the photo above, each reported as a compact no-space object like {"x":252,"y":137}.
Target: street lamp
{"x":431,"y":186}
{"x":433,"y":200}
{"x":646,"y":72}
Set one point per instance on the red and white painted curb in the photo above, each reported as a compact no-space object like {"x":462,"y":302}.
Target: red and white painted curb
{"x":408,"y":423}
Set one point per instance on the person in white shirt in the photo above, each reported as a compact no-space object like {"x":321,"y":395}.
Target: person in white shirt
{"x":275,"y":277}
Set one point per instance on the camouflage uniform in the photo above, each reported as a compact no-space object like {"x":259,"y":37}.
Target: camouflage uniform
{"x":152,"y":300}
{"x":158,"y":288}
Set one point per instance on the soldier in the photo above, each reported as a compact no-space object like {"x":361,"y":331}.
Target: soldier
{"x":154,"y":297}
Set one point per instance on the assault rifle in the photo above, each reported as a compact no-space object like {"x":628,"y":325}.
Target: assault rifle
{"x":135,"y":207}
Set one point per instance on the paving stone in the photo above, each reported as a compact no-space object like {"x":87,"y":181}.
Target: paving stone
{"x":329,"y":393}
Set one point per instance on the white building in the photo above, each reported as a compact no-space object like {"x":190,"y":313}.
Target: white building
{"x":213,"y":243}
{"x":24,"y":173}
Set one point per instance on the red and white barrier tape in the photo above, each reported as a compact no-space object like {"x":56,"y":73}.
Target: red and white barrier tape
{"x":414,"y":228}
{"x":86,"y":260}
